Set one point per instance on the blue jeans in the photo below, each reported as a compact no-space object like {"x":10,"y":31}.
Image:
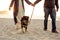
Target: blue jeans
{"x":52,"y":13}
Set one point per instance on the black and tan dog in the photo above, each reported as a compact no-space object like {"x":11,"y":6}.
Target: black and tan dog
{"x":24,"y":22}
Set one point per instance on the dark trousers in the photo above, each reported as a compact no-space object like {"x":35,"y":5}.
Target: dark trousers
{"x":52,"y":13}
{"x":15,"y":18}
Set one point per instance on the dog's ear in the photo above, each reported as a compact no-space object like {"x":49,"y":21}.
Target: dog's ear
{"x":23,"y":17}
{"x":28,"y":17}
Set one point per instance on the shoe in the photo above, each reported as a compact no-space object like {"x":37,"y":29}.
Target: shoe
{"x":54,"y":31}
{"x":45,"y":29}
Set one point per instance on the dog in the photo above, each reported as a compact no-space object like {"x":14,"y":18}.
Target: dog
{"x":24,"y":23}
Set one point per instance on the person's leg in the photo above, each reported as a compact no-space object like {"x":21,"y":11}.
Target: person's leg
{"x":46,"y":10}
{"x":15,"y":19}
{"x":15,"y":14}
{"x":53,"y":17}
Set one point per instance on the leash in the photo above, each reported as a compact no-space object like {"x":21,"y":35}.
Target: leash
{"x":31,"y":15}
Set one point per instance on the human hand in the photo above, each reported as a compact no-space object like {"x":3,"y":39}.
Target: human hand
{"x":32,"y":5}
{"x":9,"y":8}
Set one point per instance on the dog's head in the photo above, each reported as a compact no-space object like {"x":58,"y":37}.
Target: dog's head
{"x":25,"y":20}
